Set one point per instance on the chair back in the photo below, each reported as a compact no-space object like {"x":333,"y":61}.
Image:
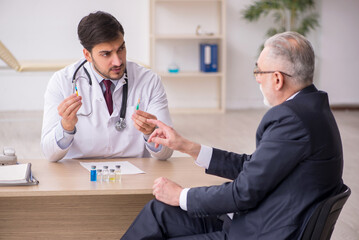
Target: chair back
{"x":321,"y":224}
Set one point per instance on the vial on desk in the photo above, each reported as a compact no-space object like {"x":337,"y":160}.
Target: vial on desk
{"x":99,"y":175}
{"x":93,"y":173}
{"x":105,"y":174}
{"x":118,"y":173}
{"x":112,"y":177}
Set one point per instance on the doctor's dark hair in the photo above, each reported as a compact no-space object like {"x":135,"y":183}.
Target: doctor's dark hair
{"x":97,"y":28}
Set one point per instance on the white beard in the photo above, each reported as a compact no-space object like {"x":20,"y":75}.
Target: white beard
{"x":265,"y":100}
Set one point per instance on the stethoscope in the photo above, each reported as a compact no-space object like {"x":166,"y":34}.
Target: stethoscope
{"x":121,"y":123}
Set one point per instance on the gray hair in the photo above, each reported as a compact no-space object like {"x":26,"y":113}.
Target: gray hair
{"x":296,"y":52}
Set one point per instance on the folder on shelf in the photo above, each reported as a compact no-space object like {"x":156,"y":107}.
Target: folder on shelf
{"x":17,"y":174}
{"x":208,"y":57}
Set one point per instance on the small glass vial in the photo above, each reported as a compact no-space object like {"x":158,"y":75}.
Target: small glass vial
{"x":99,"y":175}
{"x":118,"y":173}
{"x":112,"y":177}
{"x":93,"y":174}
{"x":105,"y":174}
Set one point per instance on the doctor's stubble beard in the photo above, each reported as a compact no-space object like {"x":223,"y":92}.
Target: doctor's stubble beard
{"x":107,"y":76}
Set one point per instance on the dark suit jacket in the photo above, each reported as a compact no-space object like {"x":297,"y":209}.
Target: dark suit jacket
{"x":297,"y":163}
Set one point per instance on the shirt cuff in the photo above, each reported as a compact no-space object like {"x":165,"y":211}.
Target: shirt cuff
{"x":64,"y":138}
{"x":183,"y":199}
{"x":146,"y":137}
{"x":204,"y":156}
{"x":151,"y":145}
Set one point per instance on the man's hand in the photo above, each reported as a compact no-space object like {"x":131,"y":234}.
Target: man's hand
{"x":68,"y":109}
{"x":167,"y":136}
{"x":167,"y":191}
{"x":140,"y":122}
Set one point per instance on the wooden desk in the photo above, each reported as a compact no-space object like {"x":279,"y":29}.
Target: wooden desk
{"x":66,"y":205}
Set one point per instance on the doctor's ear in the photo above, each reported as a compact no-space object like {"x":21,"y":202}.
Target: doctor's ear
{"x":87,"y":55}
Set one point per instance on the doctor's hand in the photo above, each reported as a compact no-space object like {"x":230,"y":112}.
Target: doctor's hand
{"x":167,"y":136}
{"x":68,"y":109}
{"x":140,"y":122}
{"x":167,"y":191}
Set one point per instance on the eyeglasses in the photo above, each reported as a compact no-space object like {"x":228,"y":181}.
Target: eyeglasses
{"x":256,"y":72}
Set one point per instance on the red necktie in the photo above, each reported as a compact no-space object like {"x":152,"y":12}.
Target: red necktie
{"x":108,"y":95}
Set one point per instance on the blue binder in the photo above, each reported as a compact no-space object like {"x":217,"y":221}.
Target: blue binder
{"x":208,"y":57}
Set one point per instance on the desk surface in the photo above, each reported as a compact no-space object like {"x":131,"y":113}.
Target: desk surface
{"x":69,"y":178}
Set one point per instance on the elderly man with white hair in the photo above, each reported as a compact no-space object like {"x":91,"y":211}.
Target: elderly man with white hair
{"x":298,"y":162}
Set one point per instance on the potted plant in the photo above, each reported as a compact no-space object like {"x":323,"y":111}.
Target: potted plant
{"x":289,"y":15}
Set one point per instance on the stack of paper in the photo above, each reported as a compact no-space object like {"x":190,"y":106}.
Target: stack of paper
{"x":126,"y":167}
{"x":17,"y":174}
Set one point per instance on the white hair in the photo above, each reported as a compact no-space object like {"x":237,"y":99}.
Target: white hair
{"x":296,"y":52}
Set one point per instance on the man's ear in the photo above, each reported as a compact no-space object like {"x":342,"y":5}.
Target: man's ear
{"x":87,"y":55}
{"x":279,"y":81}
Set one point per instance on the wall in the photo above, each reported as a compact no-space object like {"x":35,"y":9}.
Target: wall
{"x":46,"y":30}
{"x":335,"y":45}
{"x":339,"y":50}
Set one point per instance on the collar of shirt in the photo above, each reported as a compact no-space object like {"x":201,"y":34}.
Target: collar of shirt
{"x":99,"y":79}
{"x":291,"y":97}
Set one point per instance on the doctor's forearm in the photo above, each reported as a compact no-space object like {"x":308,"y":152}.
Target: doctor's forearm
{"x":51,"y":150}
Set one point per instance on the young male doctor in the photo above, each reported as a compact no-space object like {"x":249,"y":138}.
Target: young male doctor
{"x":98,"y":106}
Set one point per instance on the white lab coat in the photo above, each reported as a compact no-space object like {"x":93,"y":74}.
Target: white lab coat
{"x":96,"y":136}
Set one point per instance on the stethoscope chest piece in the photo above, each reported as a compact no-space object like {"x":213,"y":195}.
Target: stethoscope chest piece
{"x":121,"y":124}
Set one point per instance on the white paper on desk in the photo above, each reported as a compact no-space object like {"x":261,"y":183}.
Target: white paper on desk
{"x":17,"y":173}
{"x":126,"y":167}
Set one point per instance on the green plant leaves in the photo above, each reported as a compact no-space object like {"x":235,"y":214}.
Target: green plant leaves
{"x":289,"y":15}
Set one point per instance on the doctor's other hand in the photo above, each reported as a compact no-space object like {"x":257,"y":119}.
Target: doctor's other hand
{"x":167,"y":136}
{"x":140,"y":122}
{"x":167,"y":191}
{"x":68,"y":109}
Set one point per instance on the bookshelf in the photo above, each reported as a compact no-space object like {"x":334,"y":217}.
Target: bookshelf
{"x":177,"y":28}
